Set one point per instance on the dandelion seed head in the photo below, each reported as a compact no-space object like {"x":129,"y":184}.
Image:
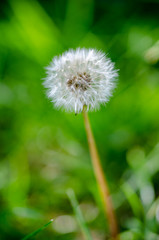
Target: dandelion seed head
{"x":81,"y":77}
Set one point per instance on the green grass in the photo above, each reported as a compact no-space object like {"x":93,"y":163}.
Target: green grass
{"x":44,"y":151}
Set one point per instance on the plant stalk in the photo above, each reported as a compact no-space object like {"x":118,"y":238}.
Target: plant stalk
{"x":101,"y":180}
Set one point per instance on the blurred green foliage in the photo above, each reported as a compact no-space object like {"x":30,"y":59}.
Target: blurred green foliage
{"x":44,"y":151}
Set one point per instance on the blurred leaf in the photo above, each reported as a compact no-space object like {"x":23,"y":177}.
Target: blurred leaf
{"x":133,"y":200}
{"x":79,"y":16}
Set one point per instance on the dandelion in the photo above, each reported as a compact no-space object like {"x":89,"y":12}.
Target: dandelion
{"x":78,"y":78}
{"x":78,"y":81}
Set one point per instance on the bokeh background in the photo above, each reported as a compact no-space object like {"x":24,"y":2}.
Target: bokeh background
{"x":44,"y":152}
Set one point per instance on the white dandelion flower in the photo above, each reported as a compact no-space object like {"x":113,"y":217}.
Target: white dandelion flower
{"x":78,"y":78}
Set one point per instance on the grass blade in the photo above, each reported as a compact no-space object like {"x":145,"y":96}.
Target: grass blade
{"x":37,"y":231}
{"x":78,"y":214}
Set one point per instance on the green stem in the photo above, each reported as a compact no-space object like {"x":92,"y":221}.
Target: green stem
{"x":101,"y":180}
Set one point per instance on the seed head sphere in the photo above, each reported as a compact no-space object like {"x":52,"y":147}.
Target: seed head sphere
{"x":78,"y":78}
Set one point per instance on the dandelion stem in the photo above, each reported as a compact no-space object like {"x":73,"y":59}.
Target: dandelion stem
{"x":101,"y":180}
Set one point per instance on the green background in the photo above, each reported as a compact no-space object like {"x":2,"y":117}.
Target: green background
{"x":44,"y":151}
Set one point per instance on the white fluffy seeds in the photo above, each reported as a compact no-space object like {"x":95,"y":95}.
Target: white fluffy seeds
{"x":80,"y":77}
